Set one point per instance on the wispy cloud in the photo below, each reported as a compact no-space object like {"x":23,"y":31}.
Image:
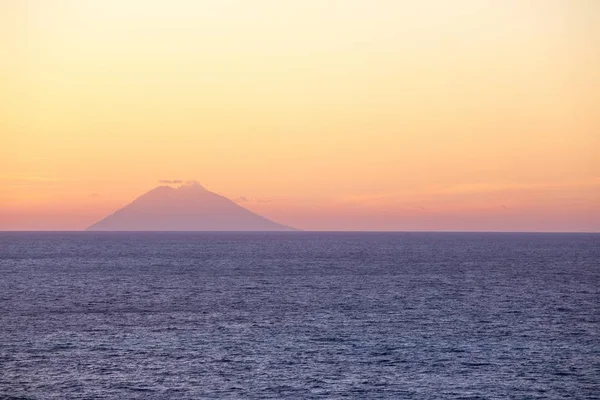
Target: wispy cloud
{"x":170,"y":181}
{"x":415,"y":195}
{"x":25,"y":180}
{"x":514,"y":186}
{"x":244,"y":199}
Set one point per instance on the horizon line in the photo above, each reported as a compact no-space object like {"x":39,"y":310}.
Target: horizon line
{"x":296,"y":231}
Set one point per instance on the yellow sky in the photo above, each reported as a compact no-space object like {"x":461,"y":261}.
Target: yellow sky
{"x":347,"y":114}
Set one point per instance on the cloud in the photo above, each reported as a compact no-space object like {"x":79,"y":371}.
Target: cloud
{"x":244,"y":199}
{"x":516,"y":187}
{"x":413,"y":196}
{"x":27,"y":180}
{"x":170,"y":181}
{"x":95,"y":194}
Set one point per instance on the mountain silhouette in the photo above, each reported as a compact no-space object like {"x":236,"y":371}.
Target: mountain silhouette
{"x":187,"y":208}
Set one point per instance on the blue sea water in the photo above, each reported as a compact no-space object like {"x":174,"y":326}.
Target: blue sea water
{"x":299,"y":315}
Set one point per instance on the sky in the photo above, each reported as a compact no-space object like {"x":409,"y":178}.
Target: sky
{"x":324,"y":115}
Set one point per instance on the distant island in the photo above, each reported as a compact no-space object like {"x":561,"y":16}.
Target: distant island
{"x":189,"y":207}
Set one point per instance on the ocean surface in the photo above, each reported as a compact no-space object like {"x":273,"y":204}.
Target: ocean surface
{"x":299,"y":315}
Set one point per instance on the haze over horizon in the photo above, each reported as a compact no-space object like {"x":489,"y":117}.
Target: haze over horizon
{"x":321,"y":115}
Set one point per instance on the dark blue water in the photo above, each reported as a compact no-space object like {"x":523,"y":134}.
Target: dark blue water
{"x":299,"y":315}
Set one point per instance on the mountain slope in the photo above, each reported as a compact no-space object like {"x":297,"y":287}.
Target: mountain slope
{"x":187,"y":208}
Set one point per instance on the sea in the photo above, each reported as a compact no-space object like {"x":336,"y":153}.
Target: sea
{"x":299,"y":315}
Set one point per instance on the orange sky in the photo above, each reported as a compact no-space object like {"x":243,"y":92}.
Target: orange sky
{"x":334,"y":115}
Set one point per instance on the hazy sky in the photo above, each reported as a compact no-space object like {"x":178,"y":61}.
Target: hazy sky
{"x":348,"y":114}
